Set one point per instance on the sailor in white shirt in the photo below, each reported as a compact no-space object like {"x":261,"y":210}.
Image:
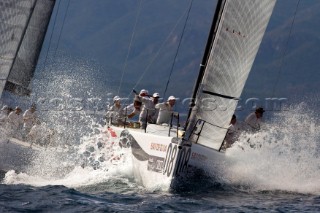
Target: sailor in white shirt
{"x":165,"y":110}
{"x":232,"y":133}
{"x":133,"y":109}
{"x":29,"y":118}
{"x":253,"y":120}
{"x":115,"y":113}
{"x":148,"y":112}
{"x":39,"y":134}
{"x":4,"y":115}
{"x":15,"y":122}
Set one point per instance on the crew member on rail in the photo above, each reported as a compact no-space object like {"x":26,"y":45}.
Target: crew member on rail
{"x":133,"y":109}
{"x":232,"y":133}
{"x":253,"y":120}
{"x":4,"y":112}
{"x":115,"y":113}
{"x":148,"y":112}
{"x":15,"y":122}
{"x":29,"y":118}
{"x":165,"y":110}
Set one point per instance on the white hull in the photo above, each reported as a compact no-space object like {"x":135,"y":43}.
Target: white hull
{"x":158,"y":159}
{"x":149,"y":152}
{"x":207,"y":159}
{"x":16,"y":154}
{"x":20,"y":156}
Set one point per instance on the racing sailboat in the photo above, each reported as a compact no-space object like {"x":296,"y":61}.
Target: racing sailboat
{"x":23,"y":25}
{"x":161,"y":153}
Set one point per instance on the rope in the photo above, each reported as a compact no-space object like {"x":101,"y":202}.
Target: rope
{"x":156,"y":55}
{"x":175,"y":57}
{"x":285,"y":49}
{"x":130,"y":44}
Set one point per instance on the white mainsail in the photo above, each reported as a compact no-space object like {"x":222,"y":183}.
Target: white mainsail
{"x":23,"y":24}
{"x":235,"y":44}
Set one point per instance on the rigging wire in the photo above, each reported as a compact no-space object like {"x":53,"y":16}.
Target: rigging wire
{"x":60,"y":33}
{"x":50,"y":39}
{"x":176,"y":54}
{"x":130,"y":44}
{"x":285,"y":49}
{"x":159,"y":50}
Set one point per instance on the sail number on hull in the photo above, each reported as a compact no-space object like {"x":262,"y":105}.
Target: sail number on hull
{"x":180,"y":156}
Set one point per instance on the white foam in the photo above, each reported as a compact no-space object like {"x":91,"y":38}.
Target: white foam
{"x":61,"y":167}
{"x":283,"y":156}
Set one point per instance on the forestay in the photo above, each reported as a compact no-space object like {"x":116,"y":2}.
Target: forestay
{"x":23,"y":25}
{"x":234,"y":48}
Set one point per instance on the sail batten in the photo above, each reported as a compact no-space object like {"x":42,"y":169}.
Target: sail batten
{"x":234,"y":48}
{"x":219,"y":95}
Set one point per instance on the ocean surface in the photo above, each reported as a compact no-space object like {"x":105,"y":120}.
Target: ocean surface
{"x":278,"y":171}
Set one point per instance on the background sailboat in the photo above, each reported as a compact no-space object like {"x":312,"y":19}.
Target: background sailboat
{"x":23,"y":28}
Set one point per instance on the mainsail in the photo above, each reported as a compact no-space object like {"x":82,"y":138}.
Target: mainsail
{"x":23,"y":24}
{"x":236,"y":40}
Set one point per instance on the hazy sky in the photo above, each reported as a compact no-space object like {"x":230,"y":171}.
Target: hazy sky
{"x":87,"y":53}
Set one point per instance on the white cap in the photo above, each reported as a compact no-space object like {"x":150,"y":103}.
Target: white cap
{"x":143,"y":91}
{"x":156,"y":95}
{"x":171,"y":98}
{"x":116,"y":98}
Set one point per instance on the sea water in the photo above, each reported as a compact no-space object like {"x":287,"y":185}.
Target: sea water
{"x":276,"y":170}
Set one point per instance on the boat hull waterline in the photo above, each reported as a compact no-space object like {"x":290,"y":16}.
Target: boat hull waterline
{"x":158,"y":160}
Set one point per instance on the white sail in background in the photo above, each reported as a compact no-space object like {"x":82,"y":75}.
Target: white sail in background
{"x":23,"y":24}
{"x":235,"y":45}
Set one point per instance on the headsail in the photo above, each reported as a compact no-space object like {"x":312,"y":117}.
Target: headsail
{"x":234,"y":47}
{"x":23,"y":25}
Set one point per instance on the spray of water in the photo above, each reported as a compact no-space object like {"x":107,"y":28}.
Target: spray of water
{"x":81,"y":152}
{"x":98,"y":159}
{"x":284,"y":155}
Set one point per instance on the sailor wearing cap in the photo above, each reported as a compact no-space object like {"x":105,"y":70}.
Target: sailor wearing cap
{"x":148,"y":111}
{"x":115,"y":112}
{"x":253,"y":120}
{"x":165,"y":110}
{"x":143,"y":93}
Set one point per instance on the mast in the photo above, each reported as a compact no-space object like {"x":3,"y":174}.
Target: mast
{"x":212,"y":33}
